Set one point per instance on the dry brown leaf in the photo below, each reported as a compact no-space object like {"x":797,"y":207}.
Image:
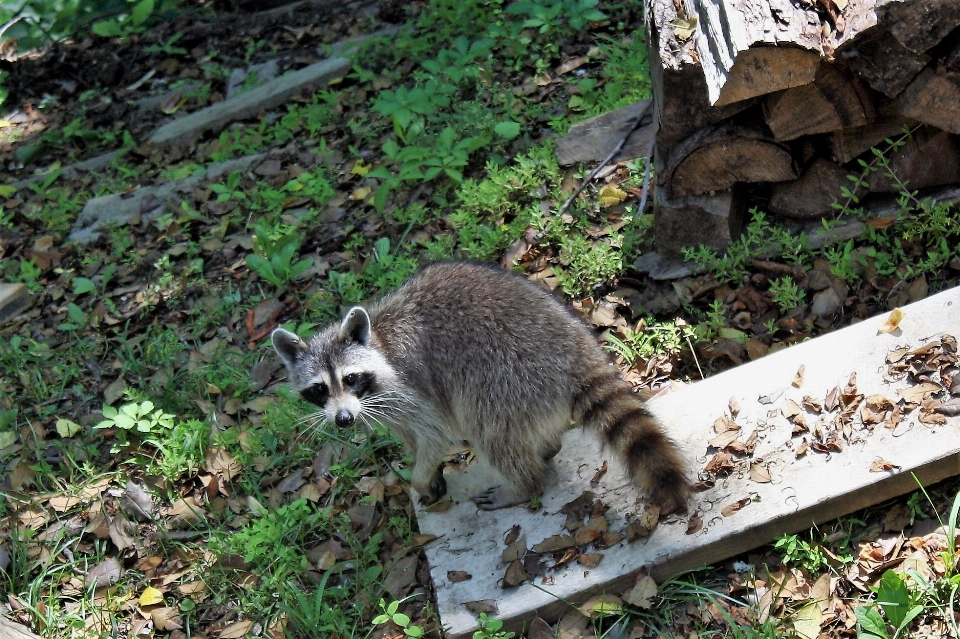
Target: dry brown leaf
{"x":597,"y":476}
{"x":723,"y":440}
{"x":734,"y":407}
{"x":514,"y":551}
{"x":789,"y":409}
{"x":892,"y":323}
{"x":456,"y":576}
{"x":554,"y":543}
{"x":590,"y":560}
{"x":514,"y":575}
{"x":882,"y":465}
{"x":166,"y":618}
{"x":731,"y":509}
{"x":694,"y":525}
{"x":641,"y":593}
{"x":759,"y":474}
{"x":798,"y":378}
{"x":237,"y":629}
{"x":482,"y":605}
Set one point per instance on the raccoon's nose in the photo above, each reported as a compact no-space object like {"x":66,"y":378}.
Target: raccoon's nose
{"x":343,"y":419}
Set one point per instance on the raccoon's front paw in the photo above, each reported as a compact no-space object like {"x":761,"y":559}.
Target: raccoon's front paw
{"x":499,"y":497}
{"x":436,"y":490}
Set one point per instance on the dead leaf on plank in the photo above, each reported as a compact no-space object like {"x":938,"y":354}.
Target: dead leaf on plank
{"x":514,"y":575}
{"x":802,"y":449}
{"x":643,"y":526}
{"x":950,"y":408}
{"x":441,"y":506}
{"x":798,"y":378}
{"x":590,"y":560}
{"x":811,"y":404}
{"x":731,"y":509}
{"x":694,"y":525}
{"x":771,"y":398}
{"x":600,"y":473}
{"x":724,"y":439}
{"x":789,"y":409}
{"x":724,"y":424}
{"x":514,"y":551}
{"x":554,"y":543}
{"x":511,"y":535}
{"x":916,"y":394}
{"x":482,"y":605}
{"x":456,"y":576}
{"x":832,"y":399}
{"x":759,"y":474}
{"x":733,"y":405}
{"x":892,"y":323}
{"x":882,"y":465}
{"x":721,"y":463}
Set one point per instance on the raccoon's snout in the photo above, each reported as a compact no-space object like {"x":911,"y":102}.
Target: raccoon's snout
{"x":344,"y":418}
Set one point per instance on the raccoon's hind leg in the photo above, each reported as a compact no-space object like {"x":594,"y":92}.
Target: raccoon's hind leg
{"x":520,"y":452}
{"x":609,"y":404}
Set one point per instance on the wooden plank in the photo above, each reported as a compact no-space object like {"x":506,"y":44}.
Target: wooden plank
{"x":12,"y":630}
{"x":812,"y":489}
{"x":593,"y":139}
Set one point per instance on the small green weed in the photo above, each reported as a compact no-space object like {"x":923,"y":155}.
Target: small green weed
{"x":799,"y":552}
{"x":786,"y":293}
{"x":390,"y":613}
{"x":648,"y":339}
{"x":277,"y":247}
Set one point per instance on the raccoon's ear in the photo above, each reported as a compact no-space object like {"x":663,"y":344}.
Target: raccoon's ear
{"x":356,"y":327}
{"x":288,"y":346}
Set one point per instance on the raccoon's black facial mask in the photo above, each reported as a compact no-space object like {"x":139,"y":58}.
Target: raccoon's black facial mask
{"x":317,"y":394}
{"x":359,"y":383}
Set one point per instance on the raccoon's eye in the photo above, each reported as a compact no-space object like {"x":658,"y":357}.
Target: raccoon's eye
{"x":351,"y":379}
{"x":316,"y":394}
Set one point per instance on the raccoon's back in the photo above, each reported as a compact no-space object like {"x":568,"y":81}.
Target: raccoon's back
{"x":459,"y":328}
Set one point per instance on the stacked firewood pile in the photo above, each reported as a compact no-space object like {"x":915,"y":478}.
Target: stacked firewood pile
{"x":789,"y":94}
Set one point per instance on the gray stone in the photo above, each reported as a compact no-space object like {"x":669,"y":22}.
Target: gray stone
{"x":826,"y":303}
{"x":147,"y":203}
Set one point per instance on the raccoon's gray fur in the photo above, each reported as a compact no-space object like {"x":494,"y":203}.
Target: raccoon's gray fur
{"x":471,"y":352}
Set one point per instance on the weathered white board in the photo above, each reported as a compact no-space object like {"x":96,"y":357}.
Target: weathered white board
{"x":812,"y":489}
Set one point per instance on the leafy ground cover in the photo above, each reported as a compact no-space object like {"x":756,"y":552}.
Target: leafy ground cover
{"x":158,"y":477}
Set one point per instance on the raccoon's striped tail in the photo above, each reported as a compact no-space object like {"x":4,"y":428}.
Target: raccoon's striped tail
{"x":609,"y":404}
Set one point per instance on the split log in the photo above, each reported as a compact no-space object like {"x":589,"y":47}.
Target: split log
{"x":729,"y":27}
{"x":715,"y":158}
{"x":930,"y":157}
{"x":813,"y":195}
{"x":882,"y":61}
{"x":933,"y":99}
{"x":12,"y":630}
{"x":711,"y":220}
{"x":680,"y":94}
{"x":835,"y":100}
{"x":919,"y":24}
{"x":850,"y":143}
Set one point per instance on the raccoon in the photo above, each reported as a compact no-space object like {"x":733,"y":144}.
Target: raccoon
{"x":471,"y":352}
